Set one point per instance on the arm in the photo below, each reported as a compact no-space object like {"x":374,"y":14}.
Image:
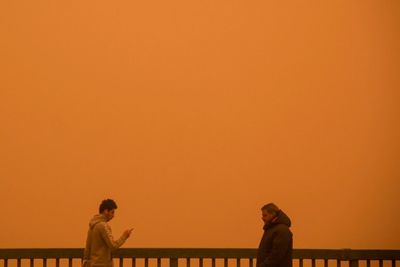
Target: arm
{"x":109,"y":239}
{"x":280,"y":246}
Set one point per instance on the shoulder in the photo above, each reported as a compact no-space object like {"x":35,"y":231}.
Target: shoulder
{"x":102,"y":226}
{"x":282,"y":228}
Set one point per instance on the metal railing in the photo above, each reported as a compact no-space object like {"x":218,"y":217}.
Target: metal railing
{"x":198,"y":257}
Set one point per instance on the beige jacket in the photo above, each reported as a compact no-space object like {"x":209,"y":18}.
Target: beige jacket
{"x":100,"y":243}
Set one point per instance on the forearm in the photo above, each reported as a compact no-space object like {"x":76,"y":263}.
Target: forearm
{"x":111,"y":243}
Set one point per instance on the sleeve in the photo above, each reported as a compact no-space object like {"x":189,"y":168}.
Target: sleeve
{"x":280,"y":246}
{"x":109,"y":239}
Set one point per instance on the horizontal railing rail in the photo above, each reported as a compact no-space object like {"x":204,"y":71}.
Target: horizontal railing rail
{"x":352,"y":256}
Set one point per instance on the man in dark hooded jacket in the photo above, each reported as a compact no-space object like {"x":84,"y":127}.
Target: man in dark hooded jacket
{"x":275,"y":249}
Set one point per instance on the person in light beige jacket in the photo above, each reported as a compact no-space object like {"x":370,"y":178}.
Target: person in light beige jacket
{"x":100,"y":242}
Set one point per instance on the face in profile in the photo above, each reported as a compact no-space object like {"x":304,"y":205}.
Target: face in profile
{"x":266,"y":216}
{"x":109,"y":214}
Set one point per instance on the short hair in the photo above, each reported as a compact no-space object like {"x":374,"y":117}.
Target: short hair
{"x":271,"y":208}
{"x":107,"y":204}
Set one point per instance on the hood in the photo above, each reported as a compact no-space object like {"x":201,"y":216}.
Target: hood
{"x":281,"y":218}
{"x":96,"y":219}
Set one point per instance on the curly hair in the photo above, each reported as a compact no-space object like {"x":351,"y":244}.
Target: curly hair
{"x":107,"y":204}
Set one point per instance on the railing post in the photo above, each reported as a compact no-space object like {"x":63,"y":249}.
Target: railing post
{"x":173,"y":262}
{"x":348,"y":255}
{"x":353,"y":263}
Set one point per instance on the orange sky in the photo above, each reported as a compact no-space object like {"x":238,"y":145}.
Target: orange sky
{"x":193,"y":114}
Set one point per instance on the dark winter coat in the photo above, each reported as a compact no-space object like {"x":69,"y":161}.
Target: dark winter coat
{"x":275,"y":249}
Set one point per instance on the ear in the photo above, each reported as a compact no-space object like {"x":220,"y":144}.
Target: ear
{"x":105,"y":211}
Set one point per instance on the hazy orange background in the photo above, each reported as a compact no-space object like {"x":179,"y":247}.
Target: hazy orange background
{"x":193,"y":114}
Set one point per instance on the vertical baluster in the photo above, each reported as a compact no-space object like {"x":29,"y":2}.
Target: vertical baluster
{"x":187,"y":262}
{"x":325,"y":262}
{"x":133,"y":262}
{"x":69,"y":262}
{"x":31,"y":263}
{"x":353,"y":263}
{"x":250,"y":262}
{"x":393,"y":263}
{"x":19,"y":262}
{"x":44,"y":262}
{"x":313,"y":263}
{"x":368,"y":263}
{"x":225,"y":262}
{"x":300,"y":262}
{"x":173,"y":262}
{"x":5,"y":262}
{"x":57,"y":262}
{"x":201,"y":262}
{"x":158,"y":262}
{"x":213,"y":262}
{"x":339,"y":263}
{"x":146,"y":262}
{"x":380,"y":263}
{"x":238,"y":262}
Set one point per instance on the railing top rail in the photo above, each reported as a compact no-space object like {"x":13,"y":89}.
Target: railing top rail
{"x":340,"y":254}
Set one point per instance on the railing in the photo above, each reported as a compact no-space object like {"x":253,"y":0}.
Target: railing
{"x":198,"y":257}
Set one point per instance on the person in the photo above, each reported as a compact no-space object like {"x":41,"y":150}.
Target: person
{"x":100,"y":242}
{"x":276,"y":245}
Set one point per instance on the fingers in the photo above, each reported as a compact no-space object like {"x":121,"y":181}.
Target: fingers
{"x":127,"y":233}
